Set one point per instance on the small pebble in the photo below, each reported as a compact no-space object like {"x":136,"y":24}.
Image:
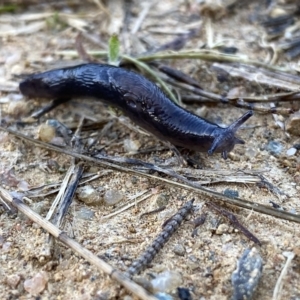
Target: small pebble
{"x":179,"y":250}
{"x":112,"y":197}
{"x":18,"y":108}
{"x":286,"y":163}
{"x":53,"y":132}
{"x":131,"y":146}
{"x":247,"y":275}
{"x":13,"y":280}
{"x":226,"y":238}
{"x":89,"y":195}
{"x":46,"y":133}
{"x":231,"y":193}
{"x":184,"y":294}
{"x":292,"y":124}
{"x":277,"y":12}
{"x":162,"y":200}
{"x":292,"y":151}
{"x":250,"y":152}
{"x":222,"y":228}
{"x":166,"y":281}
{"x":274,"y":147}
{"x":85,"y":213}
{"x":36,"y":284}
{"x":23,"y":185}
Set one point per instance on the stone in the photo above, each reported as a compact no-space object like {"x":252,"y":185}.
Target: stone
{"x":292,"y":124}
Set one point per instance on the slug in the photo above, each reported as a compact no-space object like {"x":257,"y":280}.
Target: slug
{"x":140,"y":99}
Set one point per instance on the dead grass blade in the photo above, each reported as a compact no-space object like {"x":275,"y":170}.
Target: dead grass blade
{"x":208,"y":55}
{"x":265,"y":76}
{"x":24,"y":29}
{"x":279,"y":284}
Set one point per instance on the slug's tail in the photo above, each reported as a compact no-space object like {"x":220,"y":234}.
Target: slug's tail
{"x":227,"y":139}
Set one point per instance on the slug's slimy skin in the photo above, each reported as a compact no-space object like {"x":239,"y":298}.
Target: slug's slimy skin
{"x":140,"y":99}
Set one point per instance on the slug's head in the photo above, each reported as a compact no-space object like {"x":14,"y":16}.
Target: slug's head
{"x":226,"y":140}
{"x":39,"y":85}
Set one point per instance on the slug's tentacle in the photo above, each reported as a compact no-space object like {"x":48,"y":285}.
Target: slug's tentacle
{"x":140,"y":99}
{"x":240,"y":121}
{"x":227,"y":137}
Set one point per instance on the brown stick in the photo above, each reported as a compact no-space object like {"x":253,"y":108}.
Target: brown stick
{"x":197,"y":188}
{"x":76,"y":247}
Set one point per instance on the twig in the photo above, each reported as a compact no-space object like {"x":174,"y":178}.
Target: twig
{"x":61,"y":192}
{"x":69,"y":194}
{"x":125,"y":207}
{"x":279,"y":283}
{"x":179,"y":42}
{"x":235,"y":222}
{"x":265,"y":183}
{"x":77,"y":248}
{"x":207,"y":55}
{"x":36,"y":192}
{"x":142,"y":16}
{"x":56,"y":102}
{"x":248,"y":102}
{"x":189,"y":186}
{"x":151,"y":212}
{"x":272,"y":78}
{"x":81,"y":50}
{"x":176,"y":74}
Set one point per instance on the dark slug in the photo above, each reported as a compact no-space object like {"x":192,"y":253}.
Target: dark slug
{"x":140,"y":99}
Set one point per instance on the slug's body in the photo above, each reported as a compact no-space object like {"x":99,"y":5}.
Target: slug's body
{"x":140,"y":99}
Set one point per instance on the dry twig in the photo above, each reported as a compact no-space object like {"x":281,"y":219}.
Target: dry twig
{"x":188,"y":186}
{"x":77,"y":248}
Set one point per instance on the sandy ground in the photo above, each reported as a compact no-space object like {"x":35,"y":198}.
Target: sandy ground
{"x":206,"y":263}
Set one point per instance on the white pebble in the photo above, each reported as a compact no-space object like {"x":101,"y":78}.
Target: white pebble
{"x":46,"y":133}
{"x":292,"y":151}
{"x":13,"y":280}
{"x":88,"y":195}
{"x":36,"y":284}
{"x":131,"y":145}
{"x":112,"y":197}
{"x":222,"y":228}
